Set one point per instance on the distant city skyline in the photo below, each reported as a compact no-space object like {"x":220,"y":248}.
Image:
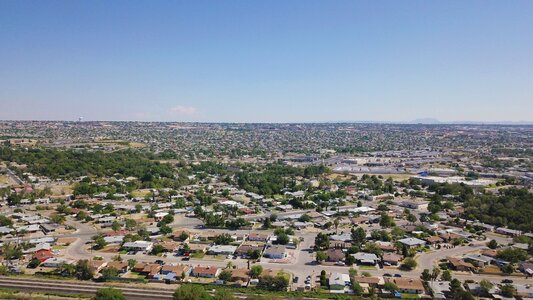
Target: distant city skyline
{"x":275,"y":61}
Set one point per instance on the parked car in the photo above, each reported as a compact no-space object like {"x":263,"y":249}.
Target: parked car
{"x":397,"y":275}
{"x":295,"y":279}
{"x":507,"y":281}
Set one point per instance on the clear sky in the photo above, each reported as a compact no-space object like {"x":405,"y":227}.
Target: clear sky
{"x":266,"y":61}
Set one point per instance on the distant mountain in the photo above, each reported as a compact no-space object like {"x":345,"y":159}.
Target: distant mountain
{"x":426,"y":121}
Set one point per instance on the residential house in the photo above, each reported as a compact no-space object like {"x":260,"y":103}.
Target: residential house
{"x":408,"y":285}
{"x":371,"y":281}
{"x":258,"y":237}
{"x":439,"y":289}
{"x":339,"y":281}
{"x":222,"y":249}
{"x":43,"y":254}
{"x":364,"y":258}
{"x":526,"y":268}
{"x":241,"y":275}
{"x":55,"y":262}
{"x":120,"y":266}
{"x":206,"y":272}
{"x":275,"y":252}
{"x":198,"y":248}
{"x":180,"y":270}
{"x":478,"y":259}
{"x":460,"y":265}
{"x":391,"y":259}
{"x":335,"y":255}
{"x":507,"y":231}
{"x":138,"y":246}
{"x":412,"y":242}
{"x":244,"y":249}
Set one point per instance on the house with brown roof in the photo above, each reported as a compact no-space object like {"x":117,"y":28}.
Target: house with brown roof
{"x":206,"y":272}
{"x":169,"y":246}
{"x":386,"y":246}
{"x":391,"y":259}
{"x":207,"y":235}
{"x":177,"y":269}
{"x":258,"y":237}
{"x":198,"y":248}
{"x":490,"y":252}
{"x":460,"y":265}
{"x":121,"y":266}
{"x":408,"y":285}
{"x":139,"y":266}
{"x":150,"y":270}
{"x":335,"y":255}
{"x":176,"y":235}
{"x":372,"y":281}
{"x":244,"y":249}
{"x":449,"y":236}
{"x":433,"y":240}
{"x":240,"y":275}
{"x":359,"y":220}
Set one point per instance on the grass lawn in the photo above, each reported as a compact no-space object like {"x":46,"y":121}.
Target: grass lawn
{"x":367,"y":268}
{"x":198,"y":255}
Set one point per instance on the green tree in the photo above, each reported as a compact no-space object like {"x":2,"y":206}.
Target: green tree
{"x":83,"y":270}
{"x":282,"y":239}
{"x":115,"y":226}
{"x":349,"y":259}
{"x":492,"y":244}
{"x":225,"y":275}
{"x":109,"y":273}
{"x":446,"y":275}
{"x":224,"y":295}
{"x":486,"y":286}
{"x":390,"y":286}
{"x":435,"y":273}
{"x":255,"y":271}
{"x":408,"y":264}
{"x":508,"y":290}
{"x":358,"y":235}
{"x":321,"y":241}
{"x":131,"y":263}
{"x":99,"y":242}
{"x":386,"y":221}
{"x":426,"y":276}
{"x":190,"y":292}
{"x":357,"y":289}
{"x":323,"y":279}
{"x":109,"y":294}
{"x":157,"y":249}
{"x":5,"y":221}
{"x":320,"y":256}
{"x":512,"y":255}
{"x":278,"y":283}
{"x":223,"y":239}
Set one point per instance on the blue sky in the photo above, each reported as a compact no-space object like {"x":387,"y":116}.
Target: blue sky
{"x":266,"y":61}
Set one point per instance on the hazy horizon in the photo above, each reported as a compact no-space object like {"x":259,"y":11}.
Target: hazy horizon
{"x":267,"y":62}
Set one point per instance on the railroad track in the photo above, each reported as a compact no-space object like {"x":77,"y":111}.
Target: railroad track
{"x":88,"y":288}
